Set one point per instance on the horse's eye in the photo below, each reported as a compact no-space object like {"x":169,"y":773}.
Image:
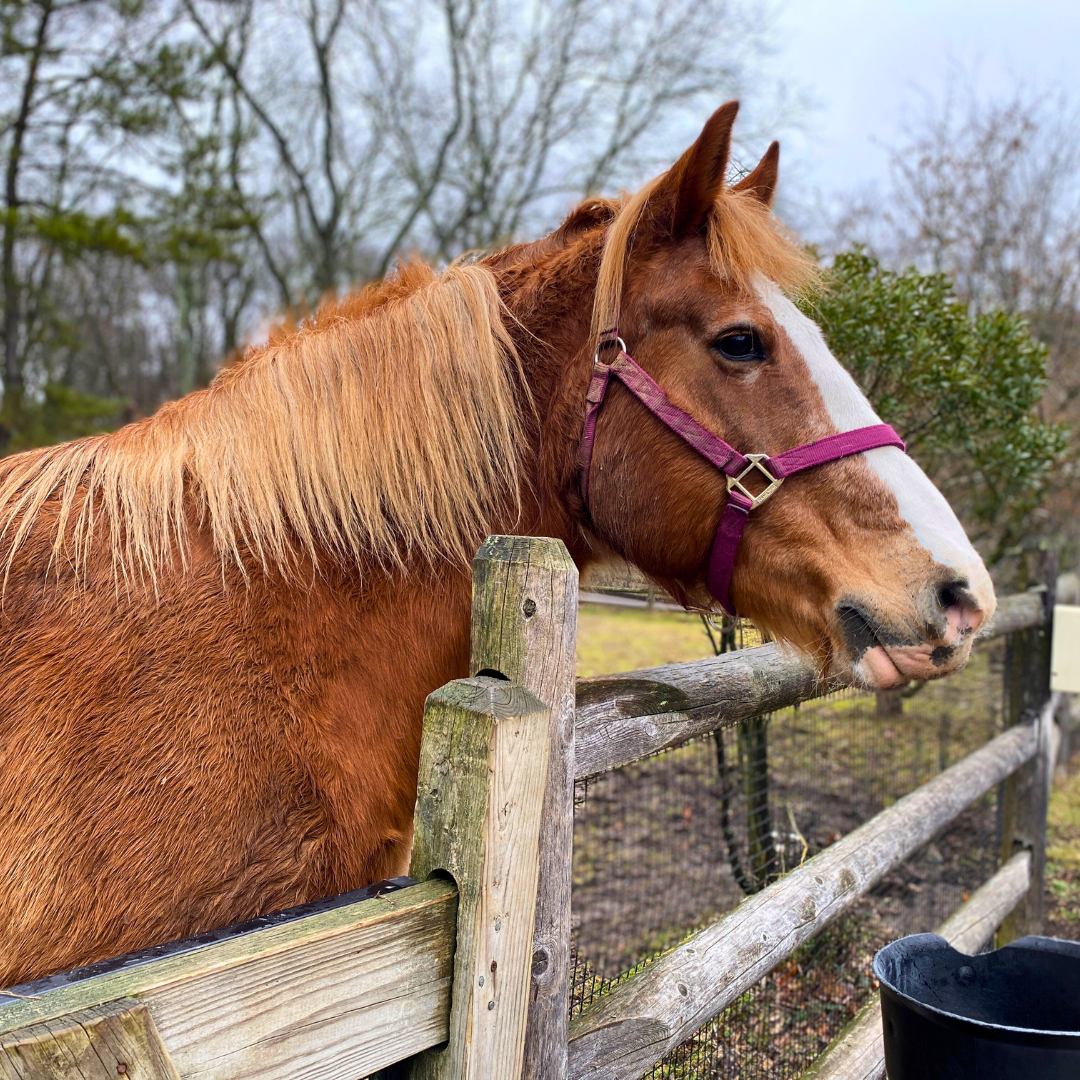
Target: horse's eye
{"x":740,"y":345}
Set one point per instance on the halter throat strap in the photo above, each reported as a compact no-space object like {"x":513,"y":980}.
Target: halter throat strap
{"x":736,"y":466}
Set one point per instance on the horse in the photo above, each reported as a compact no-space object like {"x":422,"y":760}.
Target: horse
{"x":220,"y":623}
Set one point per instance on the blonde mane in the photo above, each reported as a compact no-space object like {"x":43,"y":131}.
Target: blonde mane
{"x":744,"y":240}
{"x":386,"y":426}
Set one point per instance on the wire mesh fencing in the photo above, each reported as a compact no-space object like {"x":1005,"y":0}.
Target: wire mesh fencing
{"x":669,"y":844}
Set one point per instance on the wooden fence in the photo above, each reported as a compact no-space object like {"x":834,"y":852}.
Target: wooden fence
{"x":463,"y":969}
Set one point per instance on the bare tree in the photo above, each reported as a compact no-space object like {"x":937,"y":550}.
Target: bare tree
{"x":112,"y":151}
{"x":178,"y":170}
{"x":989,"y":193}
{"x":444,"y":125}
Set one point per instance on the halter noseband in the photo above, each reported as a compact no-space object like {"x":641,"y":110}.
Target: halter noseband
{"x":736,"y":467}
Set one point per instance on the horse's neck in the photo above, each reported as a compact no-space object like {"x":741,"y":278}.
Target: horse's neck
{"x":551,"y":333}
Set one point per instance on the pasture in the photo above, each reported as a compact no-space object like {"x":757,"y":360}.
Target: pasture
{"x":316,"y":625}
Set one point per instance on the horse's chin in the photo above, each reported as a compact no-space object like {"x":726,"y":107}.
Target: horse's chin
{"x":873,"y":666}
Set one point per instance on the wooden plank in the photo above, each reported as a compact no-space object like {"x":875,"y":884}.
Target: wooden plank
{"x":103,"y":1042}
{"x":615,"y":600}
{"x":1021,"y":611}
{"x":1025,"y":795}
{"x":482,"y":770}
{"x":524,"y":625}
{"x":857,"y":1053}
{"x":622,"y":718}
{"x":333,"y":996}
{"x":971,"y":927}
{"x":483,"y":767}
{"x":626,"y":1032}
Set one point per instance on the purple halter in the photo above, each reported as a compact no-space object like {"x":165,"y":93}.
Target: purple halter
{"x":736,"y":466}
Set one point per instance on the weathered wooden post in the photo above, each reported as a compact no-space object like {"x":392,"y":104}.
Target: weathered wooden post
{"x":524,"y":627}
{"x":1024,"y":795}
{"x":483,"y":771}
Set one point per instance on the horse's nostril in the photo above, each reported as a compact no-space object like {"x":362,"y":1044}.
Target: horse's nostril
{"x":958,"y":613}
{"x":954,"y":595}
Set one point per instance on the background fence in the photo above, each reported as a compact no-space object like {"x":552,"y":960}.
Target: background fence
{"x":664,"y":846}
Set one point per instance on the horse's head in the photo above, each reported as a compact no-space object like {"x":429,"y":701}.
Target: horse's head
{"x":859,"y":560}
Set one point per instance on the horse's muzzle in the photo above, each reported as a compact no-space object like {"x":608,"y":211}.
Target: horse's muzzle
{"x":936,"y":640}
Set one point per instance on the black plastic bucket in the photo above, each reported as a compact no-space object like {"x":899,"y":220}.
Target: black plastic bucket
{"x":1013,"y":1014}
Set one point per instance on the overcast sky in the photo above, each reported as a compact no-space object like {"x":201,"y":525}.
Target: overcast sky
{"x":865,"y":62}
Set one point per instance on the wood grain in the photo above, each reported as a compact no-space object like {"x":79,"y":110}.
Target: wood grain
{"x":972,"y":926}
{"x":622,"y":718}
{"x":858,"y":1053}
{"x":483,"y":770}
{"x":629,"y":1030}
{"x":103,"y":1042}
{"x":524,"y":625}
{"x":331,"y":996}
{"x":1021,"y":611}
{"x":1026,"y":794}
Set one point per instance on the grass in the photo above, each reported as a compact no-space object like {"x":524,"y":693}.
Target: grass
{"x":613,"y":639}
{"x":1063,"y":858}
{"x":625,"y":639}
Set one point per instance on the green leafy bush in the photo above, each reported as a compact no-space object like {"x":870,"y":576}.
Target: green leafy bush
{"x":963,"y":390}
{"x":61,"y":414}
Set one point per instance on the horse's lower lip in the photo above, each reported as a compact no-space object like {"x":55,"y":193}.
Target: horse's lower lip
{"x":884,"y":658}
{"x":925,"y":661}
{"x":873,"y":662}
{"x":878,"y":669}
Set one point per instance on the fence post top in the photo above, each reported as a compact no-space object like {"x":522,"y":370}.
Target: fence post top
{"x":486,"y":695}
{"x":535,"y":550}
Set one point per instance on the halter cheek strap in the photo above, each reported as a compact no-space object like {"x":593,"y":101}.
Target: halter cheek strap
{"x":737,"y":467}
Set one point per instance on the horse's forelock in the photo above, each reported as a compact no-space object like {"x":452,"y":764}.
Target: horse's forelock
{"x":744,"y":239}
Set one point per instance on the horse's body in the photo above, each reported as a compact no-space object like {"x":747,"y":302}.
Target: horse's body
{"x":219,"y":625}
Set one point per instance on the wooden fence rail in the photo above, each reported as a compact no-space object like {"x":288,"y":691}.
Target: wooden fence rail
{"x":640,"y":1021}
{"x":621,"y":718}
{"x":338,"y":993}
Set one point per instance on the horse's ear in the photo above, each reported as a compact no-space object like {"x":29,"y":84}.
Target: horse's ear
{"x":686,"y":193}
{"x":761,"y":180}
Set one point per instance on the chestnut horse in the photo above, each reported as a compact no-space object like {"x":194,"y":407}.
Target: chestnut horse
{"x":220,"y":623}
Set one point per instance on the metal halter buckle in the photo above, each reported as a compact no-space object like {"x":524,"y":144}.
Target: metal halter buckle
{"x":773,"y":482}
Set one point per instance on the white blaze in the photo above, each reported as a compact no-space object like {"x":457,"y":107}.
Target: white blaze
{"x":920,"y":503}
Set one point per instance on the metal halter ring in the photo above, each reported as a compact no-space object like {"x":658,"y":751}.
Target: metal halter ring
{"x":606,"y":343}
{"x":773,"y":482}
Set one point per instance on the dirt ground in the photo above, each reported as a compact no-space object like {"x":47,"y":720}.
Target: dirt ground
{"x":660,"y":845}
{"x":861,"y":766}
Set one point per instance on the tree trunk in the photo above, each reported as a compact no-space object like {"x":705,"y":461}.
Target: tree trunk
{"x":11,"y":413}
{"x":889,"y":703}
